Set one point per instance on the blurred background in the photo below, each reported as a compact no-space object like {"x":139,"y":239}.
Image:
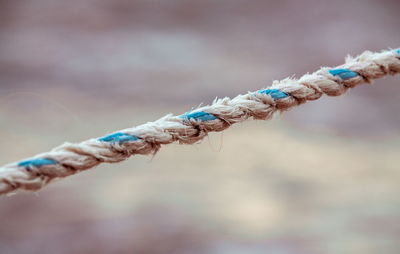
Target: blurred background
{"x":320,"y":179}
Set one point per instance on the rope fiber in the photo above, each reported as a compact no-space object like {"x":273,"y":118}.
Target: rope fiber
{"x":191,"y":127}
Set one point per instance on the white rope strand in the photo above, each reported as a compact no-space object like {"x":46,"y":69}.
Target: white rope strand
{"x":191,"y":127}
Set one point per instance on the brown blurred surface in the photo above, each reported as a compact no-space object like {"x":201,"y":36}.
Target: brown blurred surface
{"x":322,"y":178}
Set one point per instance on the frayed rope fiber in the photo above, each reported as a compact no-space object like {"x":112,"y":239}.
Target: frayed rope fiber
{"x":191,"y":127}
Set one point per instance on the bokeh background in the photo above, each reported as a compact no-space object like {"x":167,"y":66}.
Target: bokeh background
{"x":320,"y":179}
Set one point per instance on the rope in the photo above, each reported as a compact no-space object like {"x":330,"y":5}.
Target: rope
{"x":191,"y":127}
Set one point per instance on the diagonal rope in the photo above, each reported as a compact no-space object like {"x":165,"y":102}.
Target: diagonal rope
{"x":191,"y":127}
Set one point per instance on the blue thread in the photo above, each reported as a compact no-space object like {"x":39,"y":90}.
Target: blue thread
{"x":274,"y":93}
{"x":343,"y":73}
{"x":397,"y":51}
{"x":118,"y":137}
{"x":36,"y":162}
{"x":200,"y":115}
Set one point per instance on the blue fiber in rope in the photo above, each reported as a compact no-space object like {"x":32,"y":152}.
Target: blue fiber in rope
{"x":397,"y":51}
{"x":343,"y":73}
{"x":274,"y":93}
{"x":200,"y":115}
{"x":118,"y":137}
{"x":36,"y":162}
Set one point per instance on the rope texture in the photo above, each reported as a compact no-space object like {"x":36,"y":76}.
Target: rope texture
{"x":191,"y":127}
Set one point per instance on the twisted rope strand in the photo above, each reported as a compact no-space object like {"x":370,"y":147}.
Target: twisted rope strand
{"x":191,"y":127}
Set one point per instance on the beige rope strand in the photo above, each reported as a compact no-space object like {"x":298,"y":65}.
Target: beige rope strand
{"x":69,"y":158}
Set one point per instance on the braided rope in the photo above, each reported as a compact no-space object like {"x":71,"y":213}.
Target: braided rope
{"x":191,"y":127}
